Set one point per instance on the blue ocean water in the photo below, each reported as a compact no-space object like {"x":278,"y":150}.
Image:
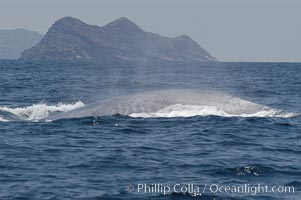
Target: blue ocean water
{"x":109,"y":157}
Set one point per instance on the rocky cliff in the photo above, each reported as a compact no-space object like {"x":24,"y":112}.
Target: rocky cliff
{"x":70,"y":39}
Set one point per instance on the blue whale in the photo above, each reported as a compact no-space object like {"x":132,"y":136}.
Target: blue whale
{"x":151,"y":102}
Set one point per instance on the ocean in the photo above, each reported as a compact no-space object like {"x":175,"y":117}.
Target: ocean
{"x":150,"y":131}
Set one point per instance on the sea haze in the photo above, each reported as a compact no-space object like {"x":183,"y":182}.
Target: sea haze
{"x":14,"y":42}
{"x":96,"y":157}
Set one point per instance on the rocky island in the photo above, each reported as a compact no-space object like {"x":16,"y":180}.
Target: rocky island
{"x":70,"y":39}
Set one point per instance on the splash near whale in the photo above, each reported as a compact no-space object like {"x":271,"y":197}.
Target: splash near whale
{"x":35,"y":112}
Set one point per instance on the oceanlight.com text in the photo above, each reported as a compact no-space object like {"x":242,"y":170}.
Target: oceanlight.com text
{"x":198,"y":190}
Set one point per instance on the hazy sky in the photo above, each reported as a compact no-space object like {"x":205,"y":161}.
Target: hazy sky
{"x":231,"y":30}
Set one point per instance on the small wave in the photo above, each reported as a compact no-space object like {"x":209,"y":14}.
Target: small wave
{"x":179,"y":110}
{"x":3,"y":120}
{"x":35,"y":112}
{"x":252,"y":170}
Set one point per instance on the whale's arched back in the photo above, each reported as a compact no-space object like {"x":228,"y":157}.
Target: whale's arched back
{"x":166,"y":100}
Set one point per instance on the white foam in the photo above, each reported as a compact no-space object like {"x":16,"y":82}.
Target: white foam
{"x":179,"y":110}
{"x":3,"y":120}
{"x":38,"y":111}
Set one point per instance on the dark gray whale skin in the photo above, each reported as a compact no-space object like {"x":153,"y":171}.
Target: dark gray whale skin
{"x":156,"y":100}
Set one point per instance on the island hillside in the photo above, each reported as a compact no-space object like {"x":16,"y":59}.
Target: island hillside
{"x":70,"y":39}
